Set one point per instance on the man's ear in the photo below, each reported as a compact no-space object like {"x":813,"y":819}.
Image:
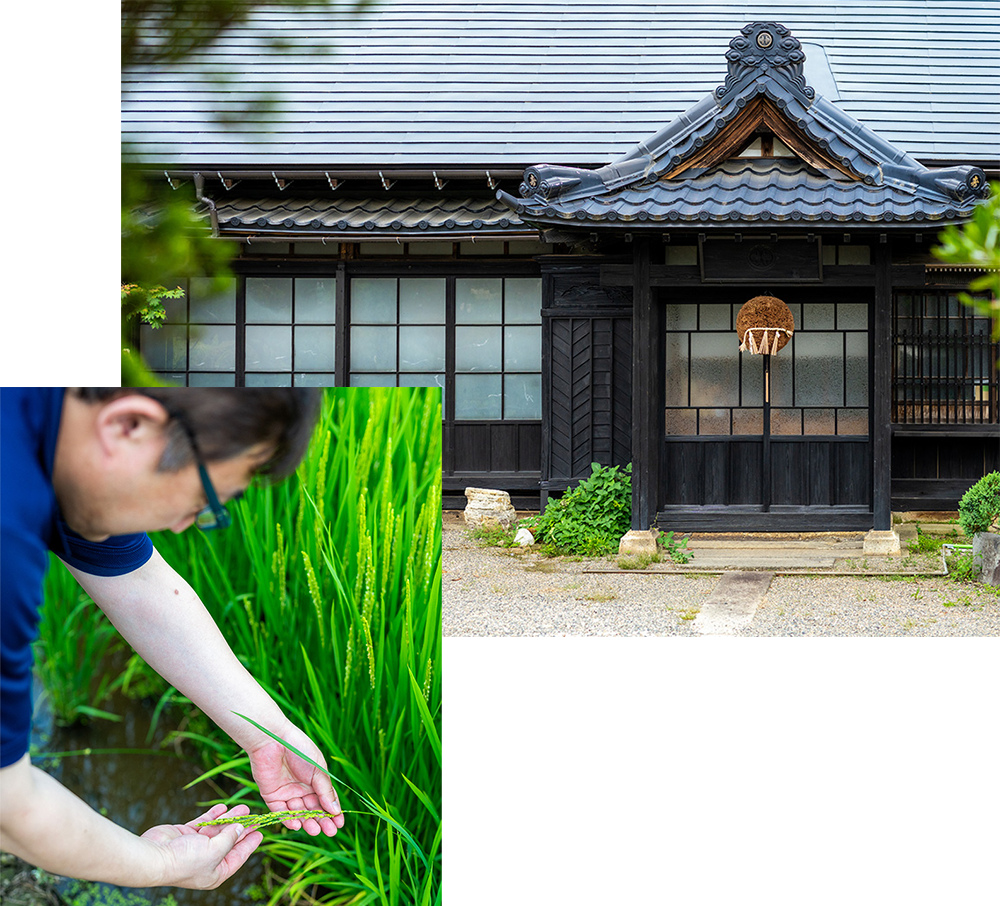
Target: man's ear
{"x":128,"y":422}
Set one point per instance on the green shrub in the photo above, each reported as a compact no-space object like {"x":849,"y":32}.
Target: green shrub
{"x":979,"y":509}
{"x":590,"y":518}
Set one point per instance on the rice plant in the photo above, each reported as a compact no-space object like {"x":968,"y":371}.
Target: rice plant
{"x":328,"y":588}
{"x":74,"y":642}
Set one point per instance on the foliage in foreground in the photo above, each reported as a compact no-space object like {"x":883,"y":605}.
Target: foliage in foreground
{"x":979,"y":508}
{"x":591,"y":518}
{"x":328,"y":588}
{"x":977,"y":243}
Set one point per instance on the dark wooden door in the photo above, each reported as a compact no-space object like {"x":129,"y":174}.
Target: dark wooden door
{"x":724,"y":466}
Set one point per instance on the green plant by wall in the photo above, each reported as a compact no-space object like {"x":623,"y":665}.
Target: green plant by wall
{"x":979,"y":509}
{"x":676,"y":550}
{"x":591,"y":518}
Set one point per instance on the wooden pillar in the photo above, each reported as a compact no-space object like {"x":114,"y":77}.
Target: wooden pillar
{"x":647,"y":391}
{"x":881,"y":402}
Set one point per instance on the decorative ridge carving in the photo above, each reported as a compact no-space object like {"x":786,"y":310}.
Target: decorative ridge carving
{"x":765,"y":85}
{"x":762,"y":47}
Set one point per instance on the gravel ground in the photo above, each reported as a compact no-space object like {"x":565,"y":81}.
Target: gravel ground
{"x":513,"y":592}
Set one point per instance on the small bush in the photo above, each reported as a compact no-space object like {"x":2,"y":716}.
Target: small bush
{"x":979,"y":509}
{"x":590,"y":518}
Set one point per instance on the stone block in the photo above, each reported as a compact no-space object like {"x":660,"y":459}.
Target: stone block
{"x":487,"y":508}
{"x":524,"y":538}
{"x":884,"y":544}
{"x":638,"y":542}
{"x":986,"y":556}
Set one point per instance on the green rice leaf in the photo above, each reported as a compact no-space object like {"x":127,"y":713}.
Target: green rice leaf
{"x":425,"y":716}
{"x":218,"y":769}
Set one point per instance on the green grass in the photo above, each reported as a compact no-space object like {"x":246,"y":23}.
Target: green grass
{"x":494,"y":536}
{"x":328,"y":588}
{"x":638,"y":561}
{"x":75,"y":639}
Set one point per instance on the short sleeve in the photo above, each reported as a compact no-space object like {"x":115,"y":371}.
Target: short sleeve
{"x":116,"y":556}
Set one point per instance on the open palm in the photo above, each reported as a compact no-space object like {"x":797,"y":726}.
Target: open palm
{"x":288,"y":782}
{"x":203,"y":857}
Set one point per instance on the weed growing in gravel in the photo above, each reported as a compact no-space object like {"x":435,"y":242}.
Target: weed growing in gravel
{"x":965,"y":601}
{"x":599,"y":597}
{"x":676,"y":550}
{"x":539,"y":566}
{"x":638,"y":561}
{"x":494,"y":536}
{"x":929,"y":544}
{"x":689,"y":614}
{"x":960,"y":566}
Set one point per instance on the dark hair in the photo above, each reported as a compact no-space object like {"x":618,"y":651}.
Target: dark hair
{"x":228,"y":421}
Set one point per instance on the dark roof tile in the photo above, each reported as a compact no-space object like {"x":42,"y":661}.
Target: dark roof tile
{"x":345,"y":215}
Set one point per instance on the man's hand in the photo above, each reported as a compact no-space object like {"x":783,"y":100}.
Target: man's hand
{"x":203,"y":857}
{"x":288,"y":783}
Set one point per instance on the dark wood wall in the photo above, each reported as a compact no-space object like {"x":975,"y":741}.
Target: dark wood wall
{"x":586,"y":373}
{"x":495,"y":447}
{"x":805,"y":472}
{"x":932,"y":470}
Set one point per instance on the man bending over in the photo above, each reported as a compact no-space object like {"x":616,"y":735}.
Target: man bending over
{"x":86,"y":473}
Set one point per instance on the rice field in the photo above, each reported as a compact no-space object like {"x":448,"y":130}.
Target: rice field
{"x":328,"y":589}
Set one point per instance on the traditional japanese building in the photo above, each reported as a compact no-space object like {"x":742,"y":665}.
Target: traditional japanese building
{"x":463,"y":228}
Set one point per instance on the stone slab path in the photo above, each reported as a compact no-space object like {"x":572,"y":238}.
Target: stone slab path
{"x":732,"y":603}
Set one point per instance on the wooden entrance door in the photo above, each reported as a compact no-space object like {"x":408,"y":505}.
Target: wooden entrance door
{"x":721,"y":468}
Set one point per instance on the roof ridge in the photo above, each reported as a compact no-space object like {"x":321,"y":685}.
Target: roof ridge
{"x":764,"y":61}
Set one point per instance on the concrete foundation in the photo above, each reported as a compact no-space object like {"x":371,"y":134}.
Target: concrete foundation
{"x":638,"y":542}
{"x":884,"y":544}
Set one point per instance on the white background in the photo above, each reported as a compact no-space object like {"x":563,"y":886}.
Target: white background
{"x":689,"y":771}
{"x":721,"y":770}
{"x":60,"y":189}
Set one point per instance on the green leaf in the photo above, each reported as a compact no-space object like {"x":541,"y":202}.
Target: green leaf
{"x":425,"y":715}
{"x":218,"y":769}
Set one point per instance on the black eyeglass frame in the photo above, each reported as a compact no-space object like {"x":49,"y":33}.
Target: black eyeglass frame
{"x":215,"y":515}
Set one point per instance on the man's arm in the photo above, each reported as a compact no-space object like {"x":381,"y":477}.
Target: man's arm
{"x":166,"y":623}
{"x":46,"y":825}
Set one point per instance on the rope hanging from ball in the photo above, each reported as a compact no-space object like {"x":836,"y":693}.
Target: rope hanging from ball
{"x":764,"y":325}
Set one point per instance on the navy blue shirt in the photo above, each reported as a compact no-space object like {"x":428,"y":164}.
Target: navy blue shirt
{"x":30,"y":527}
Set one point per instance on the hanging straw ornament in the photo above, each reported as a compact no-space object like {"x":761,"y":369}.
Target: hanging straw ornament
{"x":764,"y":325}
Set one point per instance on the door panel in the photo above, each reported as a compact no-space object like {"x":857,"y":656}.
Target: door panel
{"x":817,"y":452}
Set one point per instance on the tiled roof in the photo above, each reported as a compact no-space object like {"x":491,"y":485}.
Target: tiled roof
{"x":840,"y":169}
{"x":576,"y":82}
{"x":747,"y":191}
{"x":367,"y":216}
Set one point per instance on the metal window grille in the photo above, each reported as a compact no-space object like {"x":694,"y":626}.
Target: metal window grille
{"x":944,"y":363}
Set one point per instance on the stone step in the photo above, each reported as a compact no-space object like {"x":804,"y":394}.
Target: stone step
{"x":752,"y":544}
{"x":742,"y":559}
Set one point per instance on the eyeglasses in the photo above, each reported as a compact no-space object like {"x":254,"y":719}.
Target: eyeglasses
{"x":215,"y":515}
